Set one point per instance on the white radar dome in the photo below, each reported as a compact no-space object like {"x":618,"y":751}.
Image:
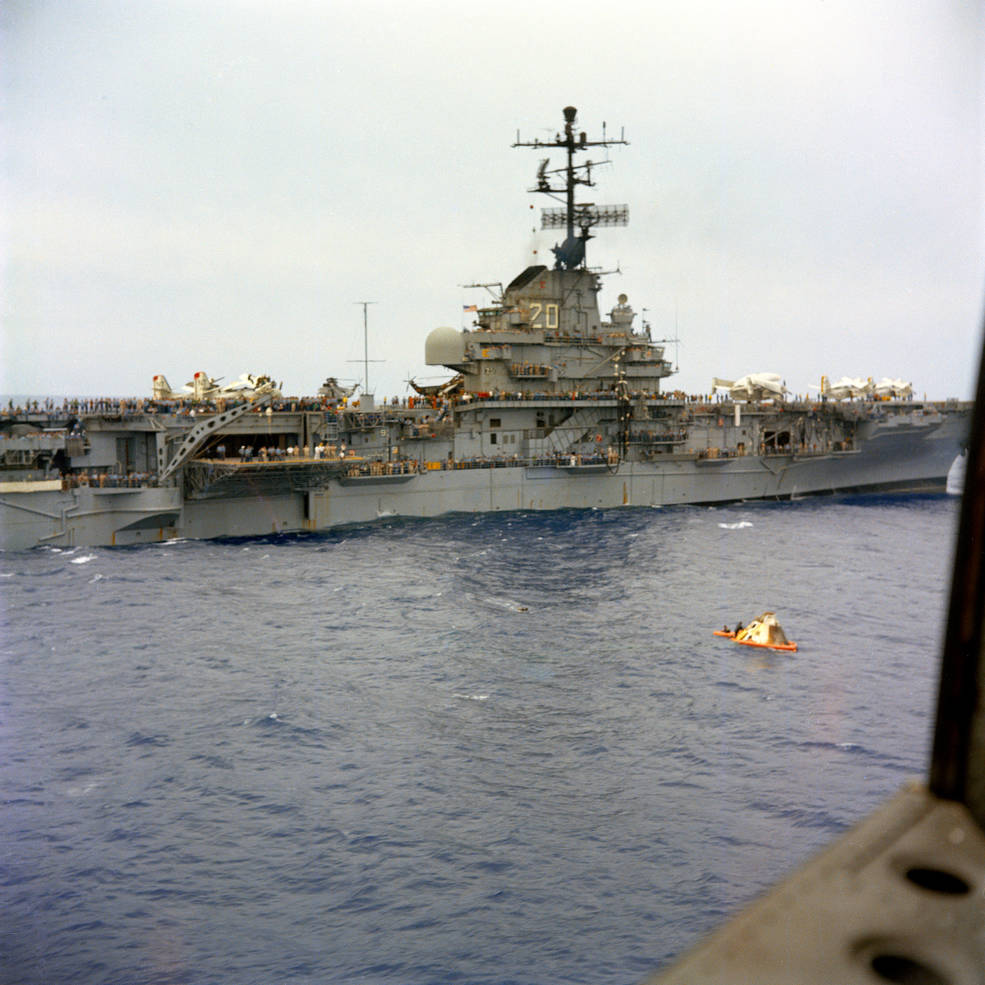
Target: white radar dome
{"x":444,"y":347}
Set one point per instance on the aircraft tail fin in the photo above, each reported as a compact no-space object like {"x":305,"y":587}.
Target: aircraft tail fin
{"x":161,"y":388}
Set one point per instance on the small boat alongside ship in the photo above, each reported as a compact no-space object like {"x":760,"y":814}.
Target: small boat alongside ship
{"x":552,"y":405}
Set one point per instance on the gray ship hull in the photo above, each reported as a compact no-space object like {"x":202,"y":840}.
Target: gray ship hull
{"x":895,"y":456}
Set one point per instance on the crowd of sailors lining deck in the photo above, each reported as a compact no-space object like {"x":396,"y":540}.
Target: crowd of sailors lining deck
{"x":246,"y":455}
{"x":108,"y":479}
{"x":273,"y":453}
{"x":50,"y":410}
{"x":127,"y":407}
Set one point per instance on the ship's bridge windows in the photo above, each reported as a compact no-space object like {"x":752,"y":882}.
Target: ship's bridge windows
{"x":495,"y":422}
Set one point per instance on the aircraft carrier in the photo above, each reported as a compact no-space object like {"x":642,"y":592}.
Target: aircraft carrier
{"x":551,"y":405}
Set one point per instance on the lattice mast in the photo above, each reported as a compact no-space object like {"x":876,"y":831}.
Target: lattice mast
{"x":571,"y":252}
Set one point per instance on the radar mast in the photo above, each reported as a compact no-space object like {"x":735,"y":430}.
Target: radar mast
{"x":562,"y":181}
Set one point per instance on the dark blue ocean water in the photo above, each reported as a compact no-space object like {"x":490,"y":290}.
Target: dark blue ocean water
{"x":465,"y":750}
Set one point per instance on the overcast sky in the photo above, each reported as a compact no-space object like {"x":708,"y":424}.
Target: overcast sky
{"x":213,"y":184}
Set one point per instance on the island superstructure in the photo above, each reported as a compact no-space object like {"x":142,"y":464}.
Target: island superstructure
{"x":551,"y":405}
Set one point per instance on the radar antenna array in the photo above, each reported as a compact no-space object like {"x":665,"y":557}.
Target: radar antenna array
{"x":586,"y":216}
